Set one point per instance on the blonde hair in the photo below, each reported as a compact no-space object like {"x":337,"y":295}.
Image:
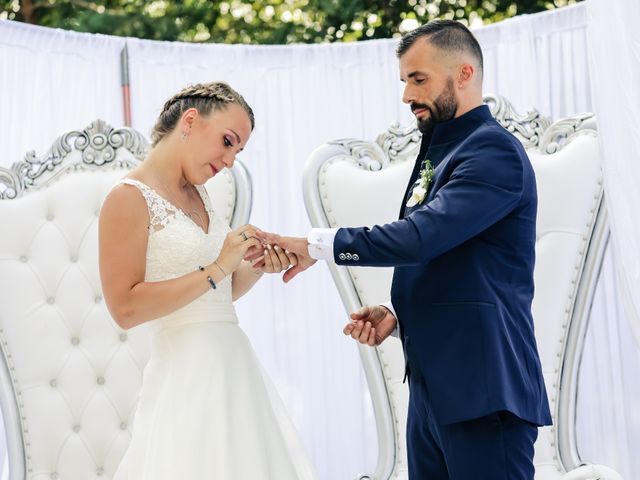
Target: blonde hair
{"x":204,"y":97}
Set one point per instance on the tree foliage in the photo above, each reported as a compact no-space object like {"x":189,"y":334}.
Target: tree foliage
{"x":261,"y":21}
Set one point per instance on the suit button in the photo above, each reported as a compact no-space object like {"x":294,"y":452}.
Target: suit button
{"x":342,"y":256}
{"x":349,"y":257}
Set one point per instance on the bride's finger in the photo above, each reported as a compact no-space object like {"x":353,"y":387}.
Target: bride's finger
{"x":243,"y":228}
{"x":246,"y":232}
{"x":258,"y":263}
{"x":249,"y":233}
{"x":244,"y":247}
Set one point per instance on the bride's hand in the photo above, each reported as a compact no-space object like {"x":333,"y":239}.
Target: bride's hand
{"x":274,"y":260}
{"x":236,"y":245}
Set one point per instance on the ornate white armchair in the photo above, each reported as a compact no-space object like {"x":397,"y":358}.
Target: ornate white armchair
{"x":69,"y":376}
{"x":350,"y":182}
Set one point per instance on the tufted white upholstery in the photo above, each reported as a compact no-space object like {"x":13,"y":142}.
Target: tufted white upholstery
{"x":354,"y":183}
{"x":73,"y":374}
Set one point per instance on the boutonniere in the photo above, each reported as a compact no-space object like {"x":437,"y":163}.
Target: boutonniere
{"x":421,"y":187}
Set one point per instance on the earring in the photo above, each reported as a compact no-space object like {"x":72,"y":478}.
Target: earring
{"x":184,"y":136}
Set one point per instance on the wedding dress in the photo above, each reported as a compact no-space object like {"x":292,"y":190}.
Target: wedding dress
{"x":206,"y":410}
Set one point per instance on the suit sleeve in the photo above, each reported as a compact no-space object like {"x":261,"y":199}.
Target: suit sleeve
{"x":484,"y":186}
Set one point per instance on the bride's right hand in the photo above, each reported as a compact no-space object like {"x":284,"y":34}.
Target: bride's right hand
{"x":235,"y":247}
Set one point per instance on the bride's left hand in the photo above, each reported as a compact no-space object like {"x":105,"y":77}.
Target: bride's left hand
{"x":274,"y":260}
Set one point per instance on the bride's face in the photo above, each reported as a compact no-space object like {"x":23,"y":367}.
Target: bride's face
{"x":214,"y":141}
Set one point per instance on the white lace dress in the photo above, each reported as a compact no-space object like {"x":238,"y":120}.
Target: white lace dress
{"x":206,"y":410}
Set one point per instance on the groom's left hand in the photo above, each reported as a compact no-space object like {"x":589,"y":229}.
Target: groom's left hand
{"x":371,"y":325}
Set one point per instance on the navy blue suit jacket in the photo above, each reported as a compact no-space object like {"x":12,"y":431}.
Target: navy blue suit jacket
{"x":463,"y":279}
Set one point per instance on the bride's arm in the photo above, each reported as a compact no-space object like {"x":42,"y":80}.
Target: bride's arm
{"x":123,"y":236}
{"x":273,"y":260}
{"x":244,"y":278}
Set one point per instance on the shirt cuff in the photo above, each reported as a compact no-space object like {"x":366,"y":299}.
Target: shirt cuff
{"x":321,"y":243}
{"x":388,"y":305}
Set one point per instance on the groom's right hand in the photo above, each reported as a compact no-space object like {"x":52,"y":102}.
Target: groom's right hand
{"x":297,"y":245}
{"x":371,"y":325}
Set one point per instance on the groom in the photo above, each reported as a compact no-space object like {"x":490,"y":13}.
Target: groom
{"x":463,"y":252}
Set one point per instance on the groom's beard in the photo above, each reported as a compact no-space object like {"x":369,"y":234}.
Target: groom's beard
{"x":441,"y":110}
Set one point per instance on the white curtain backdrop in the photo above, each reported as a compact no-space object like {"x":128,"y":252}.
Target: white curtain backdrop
{"x":614,"y":43}
{"x":303,"y":95}
{"x":608,"y":408}
{"x":53,"y":81}
{"x":539,"y":61}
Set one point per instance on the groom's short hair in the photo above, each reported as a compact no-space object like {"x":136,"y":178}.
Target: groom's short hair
{"x":449,"y":36}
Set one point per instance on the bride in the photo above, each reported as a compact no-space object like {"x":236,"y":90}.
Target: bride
{"x":205,"y":410}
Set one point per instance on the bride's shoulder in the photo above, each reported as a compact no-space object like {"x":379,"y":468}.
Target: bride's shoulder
{"x":123,"y":196}
{"x":124,"y":201}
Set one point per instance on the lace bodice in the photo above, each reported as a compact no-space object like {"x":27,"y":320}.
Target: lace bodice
{"x":177,"y":245}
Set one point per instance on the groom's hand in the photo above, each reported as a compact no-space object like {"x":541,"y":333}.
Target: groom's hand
{"x":297,"y":245}
{"x":371,"y":325}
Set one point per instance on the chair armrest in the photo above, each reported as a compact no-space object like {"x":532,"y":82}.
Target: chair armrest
{"x":592,"y":472}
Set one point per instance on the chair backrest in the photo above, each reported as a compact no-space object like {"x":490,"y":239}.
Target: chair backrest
{"x":69,"y":376}
{"x":351,"y":182}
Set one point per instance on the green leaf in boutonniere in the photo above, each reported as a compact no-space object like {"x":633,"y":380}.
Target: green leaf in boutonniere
{"x":421,"y":187}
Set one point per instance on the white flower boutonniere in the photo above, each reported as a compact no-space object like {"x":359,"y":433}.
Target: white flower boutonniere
{"x":421,"y":187}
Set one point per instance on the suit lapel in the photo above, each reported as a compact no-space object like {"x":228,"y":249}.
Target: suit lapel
{"x":424,"y":146}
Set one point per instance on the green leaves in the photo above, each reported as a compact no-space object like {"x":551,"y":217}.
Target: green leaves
{"x":262,"y":21}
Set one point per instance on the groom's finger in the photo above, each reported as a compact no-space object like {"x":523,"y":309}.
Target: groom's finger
{"x":275,"y":259}
{"x":360,"y":314}
{"x":372,"y":337}
{"x":348,"y":328}
{"x":364,"y":336}
{"x":282,"y":257}
{"x":270,"y":238}
{"x":357,"y":330}
{"x":293,"y":258}
{"x":292,"y":272}
{"x":283,"y":242}
{"x":268,"y":260}
{"x":254,"y":253}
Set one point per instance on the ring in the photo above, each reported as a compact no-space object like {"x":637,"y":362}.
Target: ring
{"x":244,"y":235}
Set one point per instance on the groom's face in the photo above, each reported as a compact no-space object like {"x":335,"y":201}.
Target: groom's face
{"x":429,"y":88}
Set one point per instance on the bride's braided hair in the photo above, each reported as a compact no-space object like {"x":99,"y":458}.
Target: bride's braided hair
{"x":204,"y":97}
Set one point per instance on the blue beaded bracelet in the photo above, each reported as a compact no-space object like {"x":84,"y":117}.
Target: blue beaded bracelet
{"x":209,"y":279}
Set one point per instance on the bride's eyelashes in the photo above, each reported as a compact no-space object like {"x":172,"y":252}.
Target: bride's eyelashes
{"x":227,"y":142}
